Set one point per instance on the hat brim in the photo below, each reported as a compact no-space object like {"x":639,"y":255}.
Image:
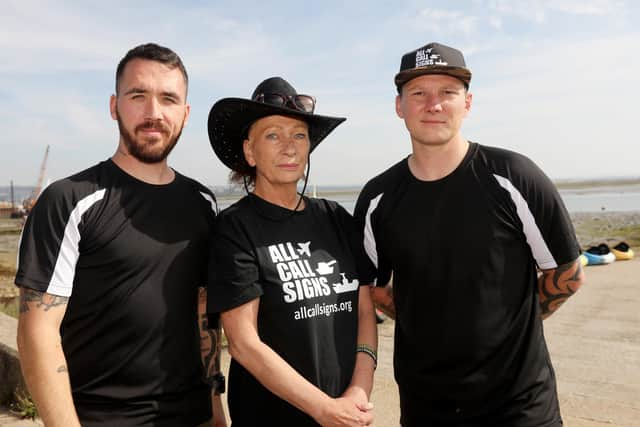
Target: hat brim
{"x":229,"y":119}
{"x":461,"y":73}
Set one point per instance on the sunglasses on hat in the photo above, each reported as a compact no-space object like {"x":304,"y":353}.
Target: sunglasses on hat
{"x":304,"y":103}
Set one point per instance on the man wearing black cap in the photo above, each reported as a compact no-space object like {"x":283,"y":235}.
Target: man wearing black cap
{"x":111,"y":261}
{"x":481,"y":249}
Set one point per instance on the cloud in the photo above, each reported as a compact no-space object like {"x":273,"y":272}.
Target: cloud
{"x":563,"y":104}
{"x":46,"y":38}
{"x":545,"y":90}
{"x":590,"y":7}
{"x":495,"y":22}
{"x":443,"y":21}
{"x":538,"y":11}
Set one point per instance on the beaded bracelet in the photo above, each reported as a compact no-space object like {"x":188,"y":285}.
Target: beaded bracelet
{"x":368,"y":350}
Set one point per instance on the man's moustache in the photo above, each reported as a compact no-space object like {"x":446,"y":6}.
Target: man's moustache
{"x":158,"y":126}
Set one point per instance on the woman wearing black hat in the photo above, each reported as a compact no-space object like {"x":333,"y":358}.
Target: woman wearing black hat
{"x":285,"y":270}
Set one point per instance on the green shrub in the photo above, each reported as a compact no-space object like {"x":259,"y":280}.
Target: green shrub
{"x":23,"y":406}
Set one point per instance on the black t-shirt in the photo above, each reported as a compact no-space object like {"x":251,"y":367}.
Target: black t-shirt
{"x":463,"y":252}
{"x":130,"y":256}
{"x":304,"y":268}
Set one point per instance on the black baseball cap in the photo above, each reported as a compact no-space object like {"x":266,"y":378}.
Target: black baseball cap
{"x":433,"y":58}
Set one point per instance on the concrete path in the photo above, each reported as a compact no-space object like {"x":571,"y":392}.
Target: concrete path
{"x":594,"y":340}
{"x":9,"y":420}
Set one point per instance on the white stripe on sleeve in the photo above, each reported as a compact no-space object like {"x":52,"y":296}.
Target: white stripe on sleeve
{"x":369,"y":238}
{"x":214,"y":205}
{"x":65,"y":270}
{"x":536,"y":242}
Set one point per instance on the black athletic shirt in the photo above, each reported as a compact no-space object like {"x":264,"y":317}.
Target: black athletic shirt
{"x":463,"y":251}
{"x":304,"y":268}
{"x":130,"y":256}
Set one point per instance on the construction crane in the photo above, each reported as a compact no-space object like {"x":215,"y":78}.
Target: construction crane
{"x":31,"y":200}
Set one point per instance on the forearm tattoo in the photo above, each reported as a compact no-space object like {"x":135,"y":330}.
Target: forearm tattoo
{"x":61,"y":369}
{"x":210,"y":348}
{"x":42,"y":299}
{"x":209,"y":339}
{"x":556,"y":286}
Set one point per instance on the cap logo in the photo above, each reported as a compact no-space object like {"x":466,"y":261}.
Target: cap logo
{"x":425,"y":57}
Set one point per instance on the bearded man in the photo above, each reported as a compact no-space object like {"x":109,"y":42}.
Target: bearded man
{"x":112,"y":262}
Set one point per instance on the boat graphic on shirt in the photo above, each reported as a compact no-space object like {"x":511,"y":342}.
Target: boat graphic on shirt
{"x":346,"y":285}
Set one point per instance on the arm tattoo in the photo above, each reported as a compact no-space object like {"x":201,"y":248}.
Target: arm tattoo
{"x":211,"y":352}
{"x":42,"y":299}
{"x":209,"y":339}
{"x":557,"y":285}
{"x":61,"y":368}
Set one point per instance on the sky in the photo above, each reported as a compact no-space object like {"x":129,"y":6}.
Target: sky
{"x":555,"y":80}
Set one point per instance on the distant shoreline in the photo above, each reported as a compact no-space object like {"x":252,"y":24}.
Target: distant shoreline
{"x":602,"y":182}
{"x":226,"y":192}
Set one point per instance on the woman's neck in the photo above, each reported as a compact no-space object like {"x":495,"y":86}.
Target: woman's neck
{"x":285,"y":196}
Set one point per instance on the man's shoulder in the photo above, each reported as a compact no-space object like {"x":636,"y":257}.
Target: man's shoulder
{"x":515,"y":172}
{"x":387,"y":179}
{"x":323,"y":204}
{"x":197,"y":187}
{"x":241,"y":209}
{"x":194,"y":183}
{"x":504,"y":162}
{"x":390,"y":182}
{"x":78,"y":185}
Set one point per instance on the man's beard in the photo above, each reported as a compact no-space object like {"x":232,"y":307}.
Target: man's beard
{"x":145,"y":152}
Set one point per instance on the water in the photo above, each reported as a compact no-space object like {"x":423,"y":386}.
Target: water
{"x":595,"y":201}
{"x":575,"y":202}
{"x":589,"y":199}
{"x":592,"y":199}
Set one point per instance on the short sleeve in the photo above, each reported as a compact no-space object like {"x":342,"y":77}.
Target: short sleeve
{"x":545,"y":221}
{"x":364,"y":266}
{"x":233,"y":271}
{"x":48,"y":250}
{"x":378,"y":271}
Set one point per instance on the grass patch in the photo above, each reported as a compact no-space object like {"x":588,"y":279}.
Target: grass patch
{"x":23,"y":406}
{"x":10,"y":308}
{"x":9,"y":304}
{"x":9,"y":231}
{"x":595,"y":232}
{"x":632,"y":233}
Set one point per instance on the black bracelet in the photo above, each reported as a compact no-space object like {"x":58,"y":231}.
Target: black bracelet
{"x":369,"y":351}
{"x":217,"y":383}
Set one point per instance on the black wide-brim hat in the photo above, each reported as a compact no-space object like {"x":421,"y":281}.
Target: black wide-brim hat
{"x":230,"y":119}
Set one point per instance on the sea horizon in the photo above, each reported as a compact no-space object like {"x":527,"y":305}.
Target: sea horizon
{"x":613,"y":194}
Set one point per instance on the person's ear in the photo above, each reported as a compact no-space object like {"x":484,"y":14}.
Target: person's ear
{"x":247,"y":148}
